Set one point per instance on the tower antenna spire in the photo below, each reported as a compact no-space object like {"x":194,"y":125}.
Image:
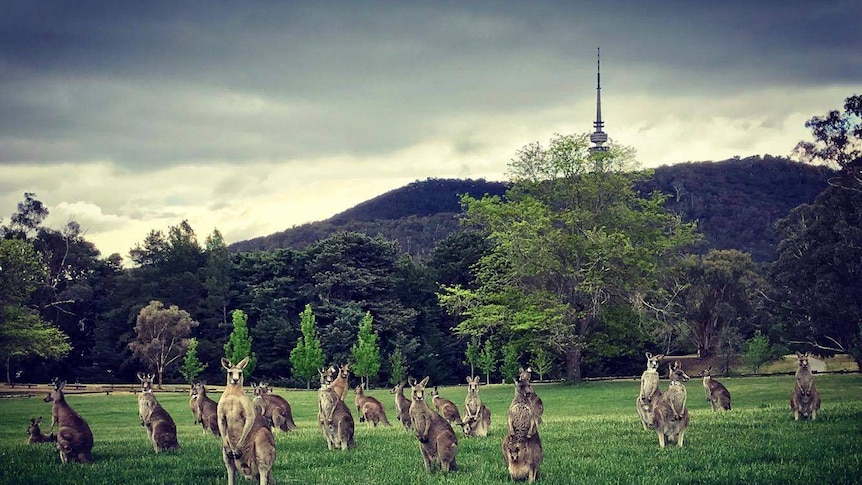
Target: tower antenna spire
{"x":599,"y":137}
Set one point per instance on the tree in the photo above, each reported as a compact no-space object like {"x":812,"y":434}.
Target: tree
{"x":31,"y":212}
{"x":366,"y":351}
{"x":21,"y":271}
{"x":192,"y":366}
{"x":542,"y":363}
{"x":238,"y":345}
{"x":488,"y":360}
{"x":307,"y":357}
{"x":510,"y":365}
{"x":837,"y":141}
{"x":719,"y":290}
{"x":161,"y":336}
{"x":818,"y":274}
{"x":23,"y":335}
{"x":472,"y":354}
{"x":758,"y":351}
{"x":571,"y":237}
{"x":397,"y":367}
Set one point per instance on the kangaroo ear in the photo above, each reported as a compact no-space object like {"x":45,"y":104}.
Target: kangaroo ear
{"x":140,"y":376}
{"x":225,"y":363}
{"x":648,"y":355}
{"x":425,"y":381}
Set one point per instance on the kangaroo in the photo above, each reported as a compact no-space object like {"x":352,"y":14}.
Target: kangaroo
{"x":339,"y":383}
{"x":334,"y":417}
{"x":522,"y":446}
{"x":369,"y":408}
{"x":717,"y":395}
{"x":193,"y":403}
{"x":446,"y":408}
{"x":437,"y":440}
{"x":161,"y":428}
{"x":537,"y":404}
{"x":402,"y":406}
{"x":805,"y":399}
{"x":274,"y":408}
{"x":650,"y":393}
{"x":207,"y":410}
{"x":34,"y":433}
{"x":477,"y":416}
{"x":246,"y":439}
{"x":74,"y":438}
{"x":670,"y":416}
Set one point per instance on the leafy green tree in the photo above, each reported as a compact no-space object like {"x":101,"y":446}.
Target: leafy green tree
{"x":21,"y":271}
{"x":722,"y":289}
{"x":192,"y":366}
{"x":510,"y":365}
{"x":758,"y":351}
{"x":161,"y":336}
{"x":24,"y":335}
{"x":488,"y":360}
{"x":571,"y":237}
{"x":397,"y":367}
{"x":307,"y":357}
{"x":473,"y":354}
{"x":366,"y":351}
{"x":26,"y":221}
{"x":238,"y":345}
{"x":542,"y":363}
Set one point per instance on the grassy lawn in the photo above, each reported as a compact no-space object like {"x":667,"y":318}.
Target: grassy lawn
{"x":591,"y":435}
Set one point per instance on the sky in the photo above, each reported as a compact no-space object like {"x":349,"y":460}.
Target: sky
{"x":252,"y":117}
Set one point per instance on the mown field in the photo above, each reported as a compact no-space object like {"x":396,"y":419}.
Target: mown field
{"x":591,"y":435}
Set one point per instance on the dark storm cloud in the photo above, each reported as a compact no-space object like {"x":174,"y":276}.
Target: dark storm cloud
{"x":150,"y":84}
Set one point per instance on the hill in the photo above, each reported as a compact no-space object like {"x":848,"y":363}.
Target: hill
{"x":736,"y":202}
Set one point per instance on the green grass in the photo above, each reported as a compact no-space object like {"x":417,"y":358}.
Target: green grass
{"x":591,"y":435}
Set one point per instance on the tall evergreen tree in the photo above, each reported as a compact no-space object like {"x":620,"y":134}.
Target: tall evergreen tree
{"x":238,"y":345}
{"x":307,"y":357}
{"x":366,"y":351}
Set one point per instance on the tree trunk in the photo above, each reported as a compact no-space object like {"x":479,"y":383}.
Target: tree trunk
{"x":9,"y":372}
{"x":160,"y":371}
{"x":573,"y":365}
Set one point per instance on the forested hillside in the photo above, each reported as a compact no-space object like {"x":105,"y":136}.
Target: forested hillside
{"x":736,"y":203}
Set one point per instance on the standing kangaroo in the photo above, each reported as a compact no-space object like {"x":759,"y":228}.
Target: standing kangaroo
{"x":334,"y":417}
{"x":193,"y":403}
{"x":437,"y":440}
{"x":161,"y":428}
{"x":274,"y":408}
{"x":805,"y":399}
{"x":538,"y":406}
{"x":717,"y":395}
{"x":74,"y":438}
{"x":34,"y":433}
{"x":522,"y":446}
{"x":402,"y":406}
{"x":246,"y":439}
{"x":207,"y":410}
{"x":477,"y":416}
{"x":670,"y":417}
{"x":339,"y":383}
{"x":369,"y":408}
{"x":650,"y":393}
{"x":446,"y":408}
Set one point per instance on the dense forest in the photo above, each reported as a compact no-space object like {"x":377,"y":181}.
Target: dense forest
{"x":391,"y":258}
{"x":735,"y":202}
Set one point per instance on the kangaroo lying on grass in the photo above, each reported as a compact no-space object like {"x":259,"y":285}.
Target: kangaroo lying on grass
{"x":522,"y":447}
{"x":717,"y":395}
{"x":74,"y":438}
{"x":369,"y":408}
{"x":402,"y":406}
{"x":477,"y":416}
{"x":274,"y":408}
{"x":161,"y":428}
{"x":670,"y":417}
{"x":650,"y":393}
{"x":437,"y":440}
{"x":334,"y":417}
{"x":34,"y":433}
{"x":805,"y":399}
{"x":247,"y":441}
